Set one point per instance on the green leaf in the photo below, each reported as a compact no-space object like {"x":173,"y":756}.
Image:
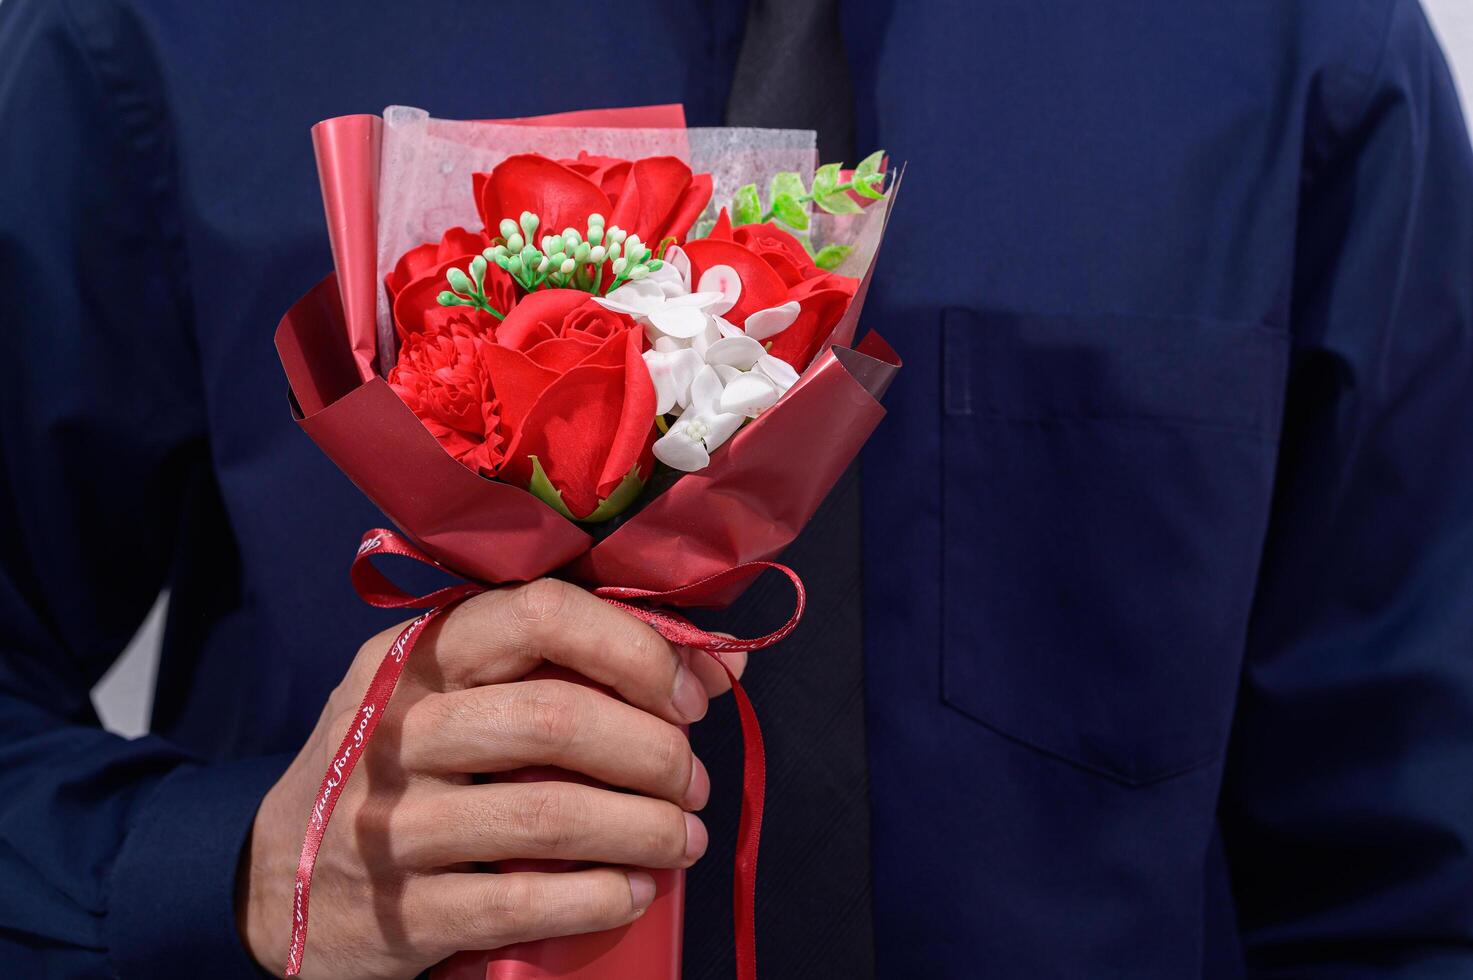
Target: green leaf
{"x":825,"y":180}
{"x":872,"y":186}
{"x":829,"y":257}
{"x":869,"y":180}
{"x":541,"y":488}
{"x":787,"y":210}
{"x":789,"y":183}
{"x":617,"y":502}
{"x":746,"y":209}
{"x":611,"y":506}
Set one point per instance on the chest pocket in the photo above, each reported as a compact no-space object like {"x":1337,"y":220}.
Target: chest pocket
{"x":1106,"y":485}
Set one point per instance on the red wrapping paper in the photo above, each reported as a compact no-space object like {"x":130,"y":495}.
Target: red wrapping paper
{"x":759,"y":491}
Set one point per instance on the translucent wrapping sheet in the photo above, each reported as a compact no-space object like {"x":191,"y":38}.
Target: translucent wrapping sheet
{"x":426,"y":166}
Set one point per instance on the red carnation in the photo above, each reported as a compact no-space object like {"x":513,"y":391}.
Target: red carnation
{"x":441,"y":376}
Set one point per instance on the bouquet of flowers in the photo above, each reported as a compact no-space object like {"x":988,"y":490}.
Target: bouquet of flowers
{"x":590,"y":345}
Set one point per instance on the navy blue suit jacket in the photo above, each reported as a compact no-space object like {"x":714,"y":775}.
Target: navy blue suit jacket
{"x":1169,"y":536}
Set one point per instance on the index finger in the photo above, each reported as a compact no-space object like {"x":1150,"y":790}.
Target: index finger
{"x":502,"y":635}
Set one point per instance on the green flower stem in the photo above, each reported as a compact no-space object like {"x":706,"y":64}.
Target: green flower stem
{"x":477,"y":300}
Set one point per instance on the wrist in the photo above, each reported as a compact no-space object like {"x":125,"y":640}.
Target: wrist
{"x":265,"y":876}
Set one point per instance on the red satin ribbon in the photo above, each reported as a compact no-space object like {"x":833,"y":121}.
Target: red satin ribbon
{"x":376,"y":589}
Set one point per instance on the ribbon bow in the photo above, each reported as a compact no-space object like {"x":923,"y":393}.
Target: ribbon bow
{"x":375,"y":588}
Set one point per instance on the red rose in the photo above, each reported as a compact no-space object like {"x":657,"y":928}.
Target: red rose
{"x":418,"y":278}
{"x":558,"y":328}
{"x":653,"y":198}
{"x":422,"y":259}
{"x":822,"y":301}
{"x":609,"y":173}
{"x":574,"y":392}
{"x":441,"y":376}
{"x":561,"y":379}
{"x":787,"y":256}
{"x":822,"y":297}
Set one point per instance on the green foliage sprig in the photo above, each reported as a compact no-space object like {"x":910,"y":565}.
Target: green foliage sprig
{"x":789,"y":201}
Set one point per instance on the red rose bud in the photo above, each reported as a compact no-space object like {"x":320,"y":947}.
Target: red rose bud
{"x":457,"y":243}
{"x":420,"y":276}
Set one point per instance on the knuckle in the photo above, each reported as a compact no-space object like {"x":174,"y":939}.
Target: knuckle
{"x":548,"y":712}
{"x":337,"y":717}
{"x":652,"y":649}
{"x":507,"y":906}
{"x":545,"y":819}
{"x":383,"y":831}
{"x":510,"y":898}
{"x":539,"y":602}
{"x":454,"y":711}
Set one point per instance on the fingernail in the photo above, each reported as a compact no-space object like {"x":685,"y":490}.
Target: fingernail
{"x":695,"y":838}
{"x":688,"y":699}
{"x":698,"y":792}
{"x":641,"y":890}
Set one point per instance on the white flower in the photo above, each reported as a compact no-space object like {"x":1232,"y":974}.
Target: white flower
{"x":679,"y":316}
{"x":754,"y":391}
{"x":778,"y":371}
{"x":771,"y":321}
{"x":711,"y":373}
{"x":741,"y":352}
{"x":674,"y":275}
{"x":721,"y":279}
{"x":701,"y":428}
{"x":672,"y":371}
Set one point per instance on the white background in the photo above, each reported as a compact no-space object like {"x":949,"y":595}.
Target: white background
{"x":125,"y":694}
{"x":1453,"y":20}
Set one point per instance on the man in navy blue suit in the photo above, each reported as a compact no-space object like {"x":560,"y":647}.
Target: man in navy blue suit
{"x":1167,"y":595}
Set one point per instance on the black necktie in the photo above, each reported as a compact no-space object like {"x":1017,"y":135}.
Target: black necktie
{"x":792,"y":74}
{"x":813,"y":882}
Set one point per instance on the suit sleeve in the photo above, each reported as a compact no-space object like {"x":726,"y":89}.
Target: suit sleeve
{"x":1348,"y":806}
{"x":117,"y":857}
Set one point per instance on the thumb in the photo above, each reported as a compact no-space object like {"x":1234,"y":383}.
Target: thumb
{"x":709,"y":672}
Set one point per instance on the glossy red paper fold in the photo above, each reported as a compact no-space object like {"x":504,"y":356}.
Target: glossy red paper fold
{"x":760,"y":490}
{"x":747,"y":505}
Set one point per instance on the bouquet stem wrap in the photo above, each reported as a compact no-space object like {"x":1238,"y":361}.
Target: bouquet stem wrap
{"x":376,"y":589}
